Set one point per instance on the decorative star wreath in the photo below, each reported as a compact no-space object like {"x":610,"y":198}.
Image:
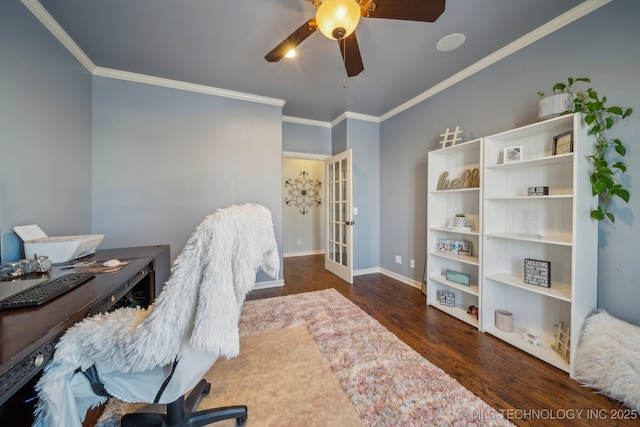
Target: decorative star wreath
{"x":303,"y":192}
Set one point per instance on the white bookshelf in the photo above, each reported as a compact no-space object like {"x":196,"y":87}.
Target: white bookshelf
{"x":442,"y":205}
{"x":555,"y":228}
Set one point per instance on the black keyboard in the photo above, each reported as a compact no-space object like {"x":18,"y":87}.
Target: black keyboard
{"x":45,"y":291}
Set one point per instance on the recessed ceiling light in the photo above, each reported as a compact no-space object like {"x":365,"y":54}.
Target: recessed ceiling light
{"x":450,"y":42}
{"x":291,"y":53}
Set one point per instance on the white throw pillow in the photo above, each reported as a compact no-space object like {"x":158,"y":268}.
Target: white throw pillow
{"x":608,"y":358}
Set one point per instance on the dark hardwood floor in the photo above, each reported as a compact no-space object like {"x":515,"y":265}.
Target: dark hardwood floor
{"x":524,"y":389}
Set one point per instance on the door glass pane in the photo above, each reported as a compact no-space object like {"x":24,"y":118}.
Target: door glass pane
{"x":344,"y":256}
{"x":343,"y":169}
{"x":330,"y":189}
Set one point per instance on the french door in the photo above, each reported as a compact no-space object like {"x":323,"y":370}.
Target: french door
{"x":339,"y":228}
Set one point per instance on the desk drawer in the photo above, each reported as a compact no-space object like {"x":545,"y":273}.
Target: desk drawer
{"x":22,"y":372}
{"x":118,"y":293}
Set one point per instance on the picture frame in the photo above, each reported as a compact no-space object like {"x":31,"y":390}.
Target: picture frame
{"x":563,"y":143}
{"x":447,"y":298}
{"x":537,"y":272}
{"x":512,"y":154}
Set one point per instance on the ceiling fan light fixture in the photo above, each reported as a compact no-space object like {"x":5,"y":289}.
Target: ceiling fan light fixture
{"x":337,"y":19}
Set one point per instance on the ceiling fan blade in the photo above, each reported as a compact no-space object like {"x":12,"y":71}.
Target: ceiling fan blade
{"x":351,"y":55}
{"x":406,"y":10}
{"x":297,"y":37}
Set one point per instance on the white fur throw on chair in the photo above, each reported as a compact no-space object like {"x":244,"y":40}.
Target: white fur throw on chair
{"x":195,"y":316}
{"x":608,"y":358}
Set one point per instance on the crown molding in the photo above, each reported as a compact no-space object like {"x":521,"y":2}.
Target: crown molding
{"x":180,"y":85}
{"x":524,"y":41}
{"x":357,"y":116}
{"x":363,"y":117}
{"x":555,"y":24}
{"x":304,"y":156}
{"x":308,"y":122}
{"x":54,"y":28}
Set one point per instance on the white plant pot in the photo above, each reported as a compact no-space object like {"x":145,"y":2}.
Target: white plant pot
{"x":554,"y":105}
{"x":460,"y":221}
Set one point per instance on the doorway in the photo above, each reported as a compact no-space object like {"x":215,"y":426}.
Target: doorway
{"x":303,"y":204}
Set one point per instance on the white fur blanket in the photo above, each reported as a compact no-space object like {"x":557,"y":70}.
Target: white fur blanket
{"x":196,"y":312}
{"x":608,"y":358}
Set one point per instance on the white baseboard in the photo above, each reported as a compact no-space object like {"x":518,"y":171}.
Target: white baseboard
{"x":403,"y":279}
{"x":366,"y":271}
{"x":398,"y":277}
{"x":269,"y":284}
{"x":374,"y":270}
{"x":292,"y":254}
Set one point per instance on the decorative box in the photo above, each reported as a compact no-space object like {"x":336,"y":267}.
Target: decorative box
{"x":453,"y":247}
{"x":457,"y":277}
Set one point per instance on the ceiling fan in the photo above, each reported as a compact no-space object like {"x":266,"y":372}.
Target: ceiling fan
{"x":337,"y":19}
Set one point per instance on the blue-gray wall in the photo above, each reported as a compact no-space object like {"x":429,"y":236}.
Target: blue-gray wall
{"x":363,"y":138}
{"x":163,"y":159}
{"x":45,"y":132}
{"x":339,"y":138}
{"x":305,"y":138}
{"x":602,"y":46}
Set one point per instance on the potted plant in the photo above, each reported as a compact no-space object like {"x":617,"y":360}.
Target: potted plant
{"x":460,"y":220}
{"x":599,"y":118}
{"x":558,"y":103}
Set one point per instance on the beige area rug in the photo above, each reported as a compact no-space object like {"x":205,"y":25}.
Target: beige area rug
{"x":388,"y":382}
{"x":282,"y":378}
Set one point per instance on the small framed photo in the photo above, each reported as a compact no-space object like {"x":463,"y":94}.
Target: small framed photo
{"x":563,"y":143}
{"x":512,"y":154}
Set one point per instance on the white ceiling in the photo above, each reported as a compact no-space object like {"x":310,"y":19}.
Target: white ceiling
{"x":222,"y":44}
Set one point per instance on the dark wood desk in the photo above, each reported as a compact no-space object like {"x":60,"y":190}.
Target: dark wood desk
{"x":28,"y":335}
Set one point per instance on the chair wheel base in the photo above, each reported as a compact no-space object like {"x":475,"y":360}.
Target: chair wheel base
{"x":180,"y":412}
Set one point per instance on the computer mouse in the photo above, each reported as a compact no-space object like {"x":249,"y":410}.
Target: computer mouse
{"x":111,"y":263}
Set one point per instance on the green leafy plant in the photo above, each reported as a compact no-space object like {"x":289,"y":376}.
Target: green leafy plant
{"x":460,"y":215}
{"x":562,"y":87}
{"x":600,"y":118}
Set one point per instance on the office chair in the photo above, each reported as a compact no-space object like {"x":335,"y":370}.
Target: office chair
{"x":160,"y":353}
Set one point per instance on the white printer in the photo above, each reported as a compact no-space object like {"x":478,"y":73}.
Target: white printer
{"x":58,"y":249}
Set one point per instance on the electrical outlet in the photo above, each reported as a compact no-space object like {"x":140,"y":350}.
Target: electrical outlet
{"x":398,"y":259}
{"x":412,"y":264}
{"x":299,"y":242}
